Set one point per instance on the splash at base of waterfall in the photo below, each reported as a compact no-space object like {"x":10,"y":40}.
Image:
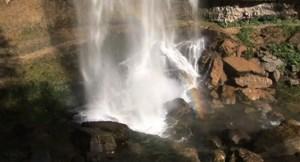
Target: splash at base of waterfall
{"x":127,"y":79}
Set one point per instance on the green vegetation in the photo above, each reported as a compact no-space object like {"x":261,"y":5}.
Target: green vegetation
{"x":249,"y":53}
{"x":289,"y":53}
{"x":290,"y":30}
{"x":245,"y":36}
{"x":260,"y":21}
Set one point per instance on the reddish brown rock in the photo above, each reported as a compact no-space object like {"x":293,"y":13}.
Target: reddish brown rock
{"x":217,"y":74}
{"x":228,"y":95}
{"x":253,"y":81}
{"x":241,"y":49}
{"x":242,"y":65}
{"x":229,"y":47}
{"x":256,"y":94}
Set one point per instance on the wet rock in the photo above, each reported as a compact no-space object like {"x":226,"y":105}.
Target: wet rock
{"x":216,"y":142}
{"x":275,"y":118}
{"x":191,"y":154}
{"x":256,"y":94}
{"x":99,"y":140}
{"x":248,"y":156}
{"x":197,"y":102}
{"x":216,"y":104}
{"x":242,"y":65}
{"x":264,"y":107}
{"x":279,"y":141}
{"x":214,"y":94}
{"x":179,"y":118}
{"x":218,"y":76}
{"x":239,"y":136}
{"x":228,"y":95}
{"x":253,"y":81}
{"x":219,"y":156}
{"x":233,"y":158}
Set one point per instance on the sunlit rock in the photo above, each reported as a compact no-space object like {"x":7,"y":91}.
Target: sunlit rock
{"x":241,"y":65}
{"x":218,"y":76}
{"x":253,"y":81}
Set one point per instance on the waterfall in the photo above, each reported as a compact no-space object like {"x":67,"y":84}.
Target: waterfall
{"x":126,"y":61}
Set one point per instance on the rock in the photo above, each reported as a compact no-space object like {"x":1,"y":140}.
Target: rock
{"x":293,"y":82}
{"x":232,"y":13}
{"x":99,"y":140}
{"x":191,"y":154}
{"x":241,"y":50}
{"x":271,"y":63}
{"x":179,"y":117}
{"x":229,"y":47}
{"x":197,"y":102}
{"x":219,"y":156}
{"x":275,"y":118}
{"x":269,"y":67}
{"x":218,"y":76}
{"x":214,"y":94}
{"x":253,"y":81}
{"x":216,"y":142}
{"x":273,"y":35}
{"x":228,"y":95}
{"x":279,"y":141}
{"x":264,"y":107}
{"x":256,"y":94}
{"x":238,"y":136}
{"x":233,"y":158}
{"x":294,"y":68}
{"x":295,"y":40}
{"x":276,"y":75}
{"x":215,"y":103}
{"x":242,"y":65}
{"x":248,"y":156}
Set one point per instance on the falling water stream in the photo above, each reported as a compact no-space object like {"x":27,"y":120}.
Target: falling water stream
{"x":126,"y":62}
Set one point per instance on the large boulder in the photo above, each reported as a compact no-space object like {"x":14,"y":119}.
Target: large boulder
{"x":100,"y":140}
{"x":241,"y":65}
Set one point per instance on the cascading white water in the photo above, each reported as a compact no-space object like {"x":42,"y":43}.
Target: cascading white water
{"x":125,"y":73}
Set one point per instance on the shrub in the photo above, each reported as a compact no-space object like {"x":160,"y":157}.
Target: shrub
{"x":245,"y":36}
{"x":289,"y":53}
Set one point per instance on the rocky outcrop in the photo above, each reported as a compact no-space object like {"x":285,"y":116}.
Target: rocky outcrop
{"x":234,"y":13}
